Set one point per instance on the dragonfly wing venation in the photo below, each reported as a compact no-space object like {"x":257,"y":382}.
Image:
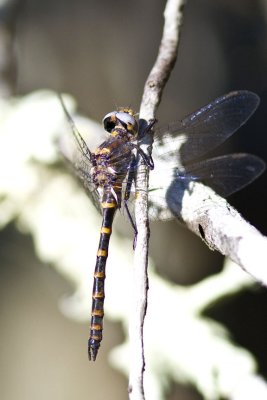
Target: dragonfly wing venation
{"x":207,"y":128}
{"x":81,"y":168}
{"x":225,"y":175}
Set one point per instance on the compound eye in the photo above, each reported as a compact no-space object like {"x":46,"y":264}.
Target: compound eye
{"x":127,"y":120}
{"x":109,"y":121}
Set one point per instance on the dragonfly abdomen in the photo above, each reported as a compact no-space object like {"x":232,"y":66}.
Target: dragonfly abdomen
{"x":109,"y":206}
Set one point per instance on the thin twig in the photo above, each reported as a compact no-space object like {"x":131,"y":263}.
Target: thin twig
{"x":152,"y":94}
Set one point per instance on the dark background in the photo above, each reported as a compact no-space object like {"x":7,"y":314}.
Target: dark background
{"x":101,"y":52}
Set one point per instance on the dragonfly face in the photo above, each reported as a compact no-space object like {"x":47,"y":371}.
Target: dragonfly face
{"x":110,"y":170}
{"x":125,"y":118}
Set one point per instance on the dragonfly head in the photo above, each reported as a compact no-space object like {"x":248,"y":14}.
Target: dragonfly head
{"x":123,"y":118}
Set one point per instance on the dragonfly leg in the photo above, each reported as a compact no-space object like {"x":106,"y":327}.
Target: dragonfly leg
{"x":126,"y":198}
{"x":131,"y":222}
{"x":147,"y":158}
{"x":148,"y":128}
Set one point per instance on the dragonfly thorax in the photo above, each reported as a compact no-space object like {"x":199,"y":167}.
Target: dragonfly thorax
{"x":102,"y":173}
{"x":111,"y":161}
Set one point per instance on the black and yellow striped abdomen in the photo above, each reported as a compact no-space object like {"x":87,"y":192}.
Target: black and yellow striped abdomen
{"x":109,"y":205}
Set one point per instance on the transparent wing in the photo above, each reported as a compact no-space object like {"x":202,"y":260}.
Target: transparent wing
{"x":206,"y":128}
{"x":78,"y":157}
{"x":84,"y":149}
{"x":225,"y":175}
{"x":80,"y":166}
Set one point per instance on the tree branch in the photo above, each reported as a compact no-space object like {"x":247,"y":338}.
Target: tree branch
{"x":222,"y":228}
{"x":151,"y":98}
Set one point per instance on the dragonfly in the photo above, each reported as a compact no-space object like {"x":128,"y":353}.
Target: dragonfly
{"x":108,"y":172}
